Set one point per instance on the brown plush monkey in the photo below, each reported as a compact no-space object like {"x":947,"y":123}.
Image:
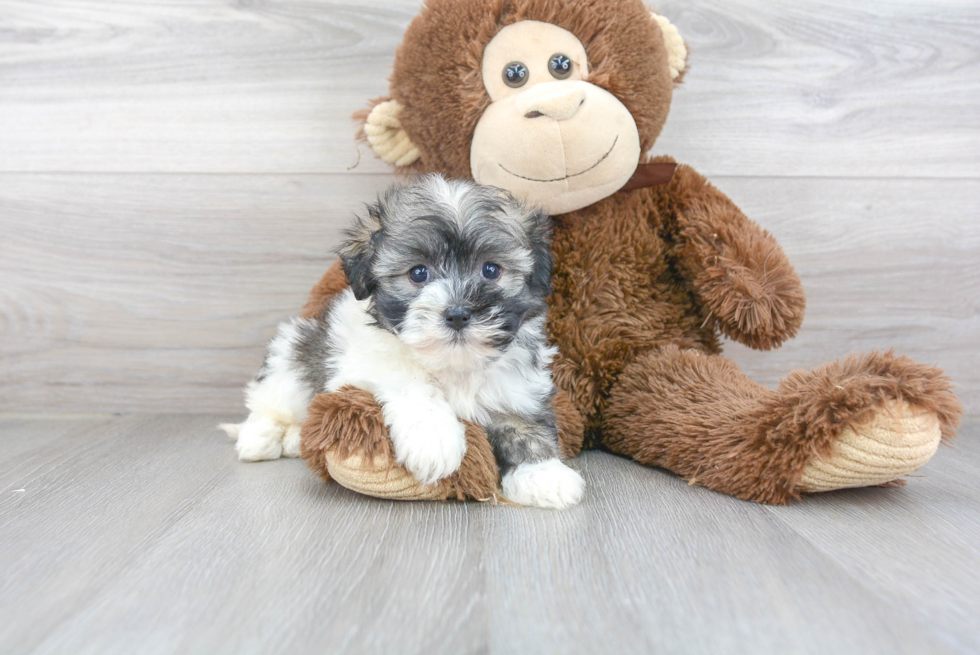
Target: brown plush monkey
{"x":556,"y":101}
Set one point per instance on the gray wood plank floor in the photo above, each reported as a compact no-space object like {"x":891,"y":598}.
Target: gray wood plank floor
{"x":142,"y":533}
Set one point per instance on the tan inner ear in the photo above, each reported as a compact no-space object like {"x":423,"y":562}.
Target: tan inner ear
{"x":387,"y":138}
{"x":676,"y":50}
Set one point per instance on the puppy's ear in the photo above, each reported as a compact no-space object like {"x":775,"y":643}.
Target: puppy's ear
{"x":358,"y":251}
{"x":537,"y":223}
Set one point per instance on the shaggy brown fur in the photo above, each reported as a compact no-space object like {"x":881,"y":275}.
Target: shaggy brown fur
{"x":724,"y":431}
{"x":571,"y":427}
{"x":333,"y":282}
{"x":674,"y":264}
{"x":646,"y":281}
{"x":437,"y":68}
{"x":350,"y":421}
{"x":345,"y":421}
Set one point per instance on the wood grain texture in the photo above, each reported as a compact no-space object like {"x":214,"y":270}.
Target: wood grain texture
{"x":191,"y":87}
{"x":39,"y":431}
{"x":173,"y":178}
{"x":143,"y":533}
{"x":129,"y":292}
{"x":827,"y":88}
{"x":884,"y":263}
{"x":883,"y":554}
{"x":140,"y":292}
{"x":886,"y":87}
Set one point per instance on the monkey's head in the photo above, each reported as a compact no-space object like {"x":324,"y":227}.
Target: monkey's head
{"x":554,"y":101}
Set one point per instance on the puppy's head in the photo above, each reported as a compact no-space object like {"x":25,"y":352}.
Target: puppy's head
{"x":454,"y":269}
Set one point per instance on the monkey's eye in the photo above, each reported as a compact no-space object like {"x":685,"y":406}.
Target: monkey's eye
{"x":490,"y":271}
{"x":560,"y":66}
{"x":516,"y":74}
{"x":419,"y":275}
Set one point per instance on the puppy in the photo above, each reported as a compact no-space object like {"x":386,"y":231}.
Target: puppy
{"x":444,"y":320}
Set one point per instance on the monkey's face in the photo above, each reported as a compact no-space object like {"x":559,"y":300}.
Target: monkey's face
{"x":549,"y":136}
{"x":554,"y":101}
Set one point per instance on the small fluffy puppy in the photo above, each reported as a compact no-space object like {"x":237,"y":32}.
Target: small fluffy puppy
{"x":445,"y":320}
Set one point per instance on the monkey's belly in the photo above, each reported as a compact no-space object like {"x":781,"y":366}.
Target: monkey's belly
{"x":617,"y":294}
{"x":600,"y":334}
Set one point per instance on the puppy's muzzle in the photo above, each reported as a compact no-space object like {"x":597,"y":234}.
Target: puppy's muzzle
{"x":457,"y":317}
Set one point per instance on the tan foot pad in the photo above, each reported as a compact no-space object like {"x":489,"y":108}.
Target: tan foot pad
{"x":898,"y":441}
{"x":382,"y":479}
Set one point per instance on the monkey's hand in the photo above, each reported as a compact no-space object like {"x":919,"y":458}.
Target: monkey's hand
{"x":739,"y":271}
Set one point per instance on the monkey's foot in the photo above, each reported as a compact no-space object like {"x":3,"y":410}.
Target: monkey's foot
{"x":898,"y":440}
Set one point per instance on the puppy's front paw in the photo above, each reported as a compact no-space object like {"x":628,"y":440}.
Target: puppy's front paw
{"x":429,"y":442}
{"x":544,"y":484}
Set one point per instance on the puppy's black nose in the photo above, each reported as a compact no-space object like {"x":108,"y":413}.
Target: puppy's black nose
{"x":457,"y":317}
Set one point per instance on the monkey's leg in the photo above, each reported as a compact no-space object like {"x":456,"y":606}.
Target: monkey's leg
{"x":861,"y":421}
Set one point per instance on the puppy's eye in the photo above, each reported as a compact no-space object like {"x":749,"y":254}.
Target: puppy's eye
{"x":419,"y":275}
{"x":490,"y":271}
{"x":516,"y":74}
{"x":560,"y":66}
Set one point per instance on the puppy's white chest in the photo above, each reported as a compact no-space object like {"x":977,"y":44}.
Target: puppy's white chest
{"x":507,"y":385}
{"x":462,"y":392}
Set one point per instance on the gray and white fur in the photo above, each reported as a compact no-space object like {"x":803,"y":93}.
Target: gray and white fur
{"x":444,"y":320}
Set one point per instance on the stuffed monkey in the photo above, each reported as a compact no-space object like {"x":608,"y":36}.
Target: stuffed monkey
{"x":557,"y":102}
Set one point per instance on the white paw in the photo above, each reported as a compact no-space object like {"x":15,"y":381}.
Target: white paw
{"x":544,"y":484}
{"x":290,"y":441}
{"x":259,"y":439}
{"x":429,"y":442}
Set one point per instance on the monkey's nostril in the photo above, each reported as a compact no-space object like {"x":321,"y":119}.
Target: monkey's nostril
{"x":533,"y":114}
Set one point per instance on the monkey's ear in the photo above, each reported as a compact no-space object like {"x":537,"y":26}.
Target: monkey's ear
{"x":383,"y":131}
{"x":676,"y":49}
{"x":357,"y":254}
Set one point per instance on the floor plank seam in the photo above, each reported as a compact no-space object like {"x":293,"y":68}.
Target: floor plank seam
{"x":923,"y":620}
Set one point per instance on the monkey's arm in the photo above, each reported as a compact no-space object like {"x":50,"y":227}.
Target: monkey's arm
{"x":333,"y":282}
{"x":738,"y":270}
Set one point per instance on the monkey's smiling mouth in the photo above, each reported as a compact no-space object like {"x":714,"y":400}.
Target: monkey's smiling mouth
{"x":559,"y":179}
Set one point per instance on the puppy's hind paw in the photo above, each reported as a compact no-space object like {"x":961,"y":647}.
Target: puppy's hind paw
{"x":544,"y":484}
{"x":290,"y":441}
{"x":259,"y":440}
